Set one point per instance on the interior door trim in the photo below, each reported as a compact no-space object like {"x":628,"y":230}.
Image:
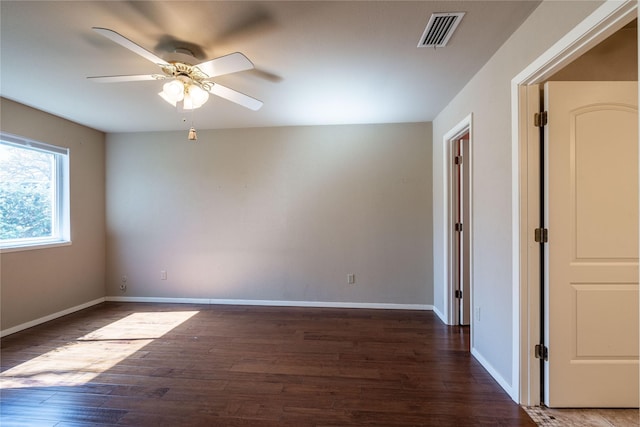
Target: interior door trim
{"x":604,"y":21}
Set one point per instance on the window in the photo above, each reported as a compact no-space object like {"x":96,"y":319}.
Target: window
{"x":34,"y":193}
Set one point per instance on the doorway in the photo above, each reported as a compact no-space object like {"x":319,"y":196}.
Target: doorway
{"x":459,"y":163}
{"x":461,"y":183}
{"x":604,"y":22}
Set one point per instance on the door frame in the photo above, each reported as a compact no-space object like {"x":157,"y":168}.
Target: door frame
{"x":602,"y":23}
{"x":463,"y":127}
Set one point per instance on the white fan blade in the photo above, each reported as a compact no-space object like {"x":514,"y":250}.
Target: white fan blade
{"x":227,"y":64}
{"x":125,"y":42}
{"x":130,"y":78}
{"x":235,"y":96}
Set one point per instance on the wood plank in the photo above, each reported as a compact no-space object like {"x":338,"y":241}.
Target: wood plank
{"x":247,"y":366}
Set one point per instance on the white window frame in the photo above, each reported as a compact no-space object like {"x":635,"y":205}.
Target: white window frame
{"x":61,"y":223}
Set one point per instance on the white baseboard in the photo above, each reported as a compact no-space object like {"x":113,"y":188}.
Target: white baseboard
{"x":321,"y":304}
{"x":160,"y":300}
{"x":44,"y":319}
{"x":275,"y":303}
{"x":439,"y":314}
{"x":496,"y":376}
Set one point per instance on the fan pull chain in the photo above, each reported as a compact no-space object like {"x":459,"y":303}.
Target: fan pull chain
{"x":192,"y":136}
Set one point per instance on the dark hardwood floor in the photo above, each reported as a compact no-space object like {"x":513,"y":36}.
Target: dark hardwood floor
{"x":130,"y":364}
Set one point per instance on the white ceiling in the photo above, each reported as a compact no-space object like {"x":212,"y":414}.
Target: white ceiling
{"x":317,"y":62}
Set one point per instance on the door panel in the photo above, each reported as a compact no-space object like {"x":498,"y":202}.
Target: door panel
{"x":592,"y":278}
{"x":605,"y":320}
{"x":604,"y":218}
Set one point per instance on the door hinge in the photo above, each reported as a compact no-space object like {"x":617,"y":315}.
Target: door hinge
{"x":541,"y":235}
{"x":458,"y":293}
{"x":541,"y":352}
{"x":540,"y":119}
{"x":458,"y":226}
{"x":457,"y":160}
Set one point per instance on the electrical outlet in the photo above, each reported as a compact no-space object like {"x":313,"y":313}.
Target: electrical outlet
{"x":351,"y":279}
{"x":163,"y":275}
{"x":123,"y":287}
{"x":477,"y":314}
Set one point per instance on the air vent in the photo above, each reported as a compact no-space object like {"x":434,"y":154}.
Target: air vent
{"x":440,"y":29}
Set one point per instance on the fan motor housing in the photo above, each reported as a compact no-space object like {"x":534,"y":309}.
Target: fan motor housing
{"x":183,"y":56}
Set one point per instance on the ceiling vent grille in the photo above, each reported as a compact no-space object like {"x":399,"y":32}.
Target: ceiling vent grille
{"x":440,"y":29}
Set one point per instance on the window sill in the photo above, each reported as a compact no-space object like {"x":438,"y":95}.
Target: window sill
{"x":34,"y":246}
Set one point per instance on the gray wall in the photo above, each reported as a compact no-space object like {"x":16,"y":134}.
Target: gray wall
{"x":37,"y":283}
{"x":616,"y":58}
{"x":488,"y":97}
{"x":280,"y":214}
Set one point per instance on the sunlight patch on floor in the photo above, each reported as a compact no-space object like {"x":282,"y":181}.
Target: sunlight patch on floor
{"x":82,"y":360}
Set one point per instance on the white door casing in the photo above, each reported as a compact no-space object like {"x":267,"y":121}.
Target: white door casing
{"x":591,"y":293}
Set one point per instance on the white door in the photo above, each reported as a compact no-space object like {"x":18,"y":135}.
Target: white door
{"x":465,"y":235}
{"x":461,"y":190}
{"x":591,"y":305}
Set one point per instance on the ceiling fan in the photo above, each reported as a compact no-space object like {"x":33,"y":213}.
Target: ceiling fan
{"x":189,"y":84}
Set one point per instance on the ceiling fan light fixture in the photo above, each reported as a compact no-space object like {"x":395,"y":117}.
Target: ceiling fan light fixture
{"x":198,"y":96}
{"x":173,"y":90}
{"x":166,"y":98}
{"x":184,"y":76}
{"x":194,"y":97}
{"x":187,"y":102}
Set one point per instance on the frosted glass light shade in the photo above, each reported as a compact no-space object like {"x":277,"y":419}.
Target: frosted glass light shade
{"x":198,"y":96}
{"x":166,"y":98}
{"x":173,"y":90}
{"x":187,"y":102}
{"x":192,"y":96}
